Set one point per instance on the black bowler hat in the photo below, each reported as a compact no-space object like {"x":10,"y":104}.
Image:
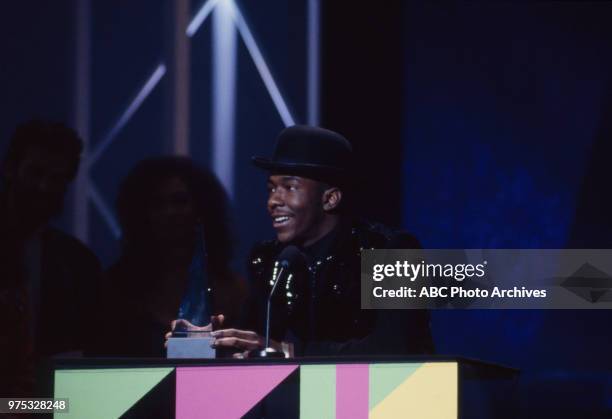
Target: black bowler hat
{"x":311,"y":152}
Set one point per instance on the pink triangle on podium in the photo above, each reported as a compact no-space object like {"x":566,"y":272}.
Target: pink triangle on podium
{"x":225,"y":392}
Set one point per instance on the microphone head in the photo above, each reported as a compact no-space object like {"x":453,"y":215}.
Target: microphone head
{"x":291,"y":257}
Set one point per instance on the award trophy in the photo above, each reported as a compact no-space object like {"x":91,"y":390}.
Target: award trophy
{"x":194,"y":308}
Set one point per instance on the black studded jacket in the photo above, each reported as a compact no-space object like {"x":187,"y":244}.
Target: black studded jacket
{"x":318,"y":307}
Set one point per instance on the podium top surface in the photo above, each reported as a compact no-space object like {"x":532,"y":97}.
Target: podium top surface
{"x":483,"y":367}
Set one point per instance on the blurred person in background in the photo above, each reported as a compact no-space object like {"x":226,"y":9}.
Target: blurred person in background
{"x":46,"y":276}
{"x":175,"y":259}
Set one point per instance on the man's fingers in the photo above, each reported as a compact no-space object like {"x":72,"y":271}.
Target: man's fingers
{"x":235,"y":338}
{"x":234,"y":342}
{"x":241,"y":355}
{"x":241,"y":334}
{"x":182,"y":325}
{"x":167,"y":336}
{"x":207,"y":328}
{"x":217,"y":321}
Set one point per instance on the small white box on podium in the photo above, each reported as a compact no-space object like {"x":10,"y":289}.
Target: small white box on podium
{"x":190,"y":347}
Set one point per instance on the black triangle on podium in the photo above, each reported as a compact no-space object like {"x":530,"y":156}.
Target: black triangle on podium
{"x":159,"y":403}
{"x":283,"y":402}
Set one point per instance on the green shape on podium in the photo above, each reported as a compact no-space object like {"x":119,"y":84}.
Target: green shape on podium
{"x":104,"y":393}
{"x":384,"y":378}
{"x":317,"y":391}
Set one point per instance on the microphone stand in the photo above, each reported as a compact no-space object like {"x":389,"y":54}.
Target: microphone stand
{"x":269,"y":352}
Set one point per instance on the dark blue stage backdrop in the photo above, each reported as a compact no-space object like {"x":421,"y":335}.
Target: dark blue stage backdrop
{"x":507,"y":114}
{"x":507,"y":131}
{"x":131,"y":52}
{"x":279,"y":30}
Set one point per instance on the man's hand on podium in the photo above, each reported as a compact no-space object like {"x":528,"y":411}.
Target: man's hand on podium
{"x":246,"y":340}
{"x":186,"y":326}
{"x":243,"y":340}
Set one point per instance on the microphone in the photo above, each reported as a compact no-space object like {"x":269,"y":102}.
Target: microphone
{"x":290,"y":256}
{"x":287,"y":260}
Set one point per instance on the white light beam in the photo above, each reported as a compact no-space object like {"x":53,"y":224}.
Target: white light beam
{"x":313,"y":62}
{"x":261,"y":66}
{"x":127,"y":114}
{"x":104,"y":210}
{"x":224,"y":94}
{"x":200,"y":17}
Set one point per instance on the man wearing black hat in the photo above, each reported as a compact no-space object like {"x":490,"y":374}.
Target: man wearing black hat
{"x":317,"y":311}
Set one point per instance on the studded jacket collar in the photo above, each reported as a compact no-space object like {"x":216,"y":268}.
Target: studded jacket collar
{"x":321,"y":301}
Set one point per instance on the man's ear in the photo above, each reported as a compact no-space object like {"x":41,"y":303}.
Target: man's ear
{"x":331,"y":198}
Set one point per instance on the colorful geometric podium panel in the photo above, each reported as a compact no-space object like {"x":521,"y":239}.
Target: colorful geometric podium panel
{"x":361,"y":391}
{"x":225,"y":392}
{"x":317,"y":391}
{"x":385,"y":378}
{"x":105,"y":392}
{"x":429,"y":391}
{"x":334,"y":391}
{"x":426,"y":390}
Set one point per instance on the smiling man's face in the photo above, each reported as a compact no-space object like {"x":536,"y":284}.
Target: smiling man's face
{"x":296,"y":205}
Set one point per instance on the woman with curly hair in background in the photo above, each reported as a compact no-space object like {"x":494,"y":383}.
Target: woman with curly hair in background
{"x":175,"y":260}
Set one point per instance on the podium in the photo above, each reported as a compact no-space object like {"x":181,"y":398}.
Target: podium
{"x":348,"y":387}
